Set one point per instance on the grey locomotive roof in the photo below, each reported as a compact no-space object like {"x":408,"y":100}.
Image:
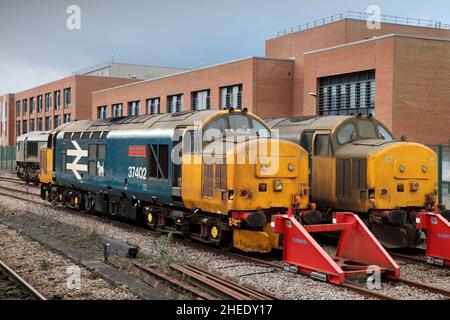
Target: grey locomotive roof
{"x":34,"y":136}
{"x":166,"y":121}
{"x":309,"y":122}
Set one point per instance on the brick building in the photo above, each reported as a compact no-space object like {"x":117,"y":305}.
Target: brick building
{"x":399,"y":72}
{"x":264,"y":85}
{"x":47,"y":106}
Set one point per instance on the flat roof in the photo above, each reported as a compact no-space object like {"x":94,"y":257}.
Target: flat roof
{"x":192,"y":70}
{"x":378,"y":38}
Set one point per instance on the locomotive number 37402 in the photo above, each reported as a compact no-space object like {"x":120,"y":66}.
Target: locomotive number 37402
{"x":137,"y":172}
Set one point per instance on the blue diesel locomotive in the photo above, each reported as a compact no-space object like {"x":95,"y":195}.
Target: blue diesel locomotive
{"x":154,"y":169}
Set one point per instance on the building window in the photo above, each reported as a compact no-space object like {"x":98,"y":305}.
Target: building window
{"x":18,"y":108}
{"x":67,"y":118}
{"x":31,"y":106}
{"x":153,"y":106}
{"x":39,"y":124}
{"x":48,"y":123}
{"x":347,"y":94}
{"x":117,"y":110}
{"x":133,"y":108}
{"x":25,"y":106}
{"x":39,"y":103}
{"x":32,"y":128}
{"x":18,"y":130}
{"x":67,"y":97}
{"x":201,"y":100}
{"x":57,"y":99}
{"x":48,"y":102}
{"x":175,"y":103}
{"x":101,"y":112}
{"x":57,"y":121}
{"x":25,"y":126}
{"x":231,"y":97}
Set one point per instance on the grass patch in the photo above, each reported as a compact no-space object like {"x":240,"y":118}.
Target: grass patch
{"x":45,"y":265}
{"x":165,"y":253}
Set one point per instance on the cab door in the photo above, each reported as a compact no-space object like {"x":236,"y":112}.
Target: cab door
{"x":323,"y":164}
{"x":306,"y":141}
{"x":180,"y":135}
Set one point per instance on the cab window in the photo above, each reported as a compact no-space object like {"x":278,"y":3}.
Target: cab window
{"x":260,"y":129}
{"x":346,"y":133}
{"x":239,"y":123}
{"x":215,"y":130}
{"x":367,"y":129}
{"x":384,"y":134}
{"x":322,"y":145}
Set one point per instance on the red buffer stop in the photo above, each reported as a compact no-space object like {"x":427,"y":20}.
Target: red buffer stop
{"x":358,"y":251}
{"x":438,"y":237}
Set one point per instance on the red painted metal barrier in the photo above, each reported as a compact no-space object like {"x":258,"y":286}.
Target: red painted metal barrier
{"x":438,"y":237}
{"x":358,"y":252}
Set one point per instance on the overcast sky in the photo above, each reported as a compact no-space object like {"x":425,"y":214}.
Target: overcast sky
{"x":36,"y":46}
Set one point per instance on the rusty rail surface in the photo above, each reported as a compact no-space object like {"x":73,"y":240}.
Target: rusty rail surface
{"x":17,"y":279}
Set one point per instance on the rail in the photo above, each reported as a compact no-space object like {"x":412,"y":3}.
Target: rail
{"x":16,"y":278}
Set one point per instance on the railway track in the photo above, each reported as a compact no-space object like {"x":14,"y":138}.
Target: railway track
{"x":19,"y":281}
{"x":219,"y":285}
{"x":233,"y":255}
{"x":14,"y":180}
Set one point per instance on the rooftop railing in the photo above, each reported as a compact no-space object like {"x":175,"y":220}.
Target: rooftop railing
{"x":102,"y":65}
{"x":365,"y":16}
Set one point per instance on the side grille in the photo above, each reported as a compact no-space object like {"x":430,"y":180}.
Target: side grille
{"x":207,"y":180}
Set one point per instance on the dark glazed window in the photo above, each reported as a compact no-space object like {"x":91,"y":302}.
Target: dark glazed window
{"x":346,"y":134}
{"x":367,"y":129}
{"x":322,"y":145}
{"x":384,"y":134}
{"x":158,"y":165}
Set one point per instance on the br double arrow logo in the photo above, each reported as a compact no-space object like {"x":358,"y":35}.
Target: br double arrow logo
{"x":78,"y":153}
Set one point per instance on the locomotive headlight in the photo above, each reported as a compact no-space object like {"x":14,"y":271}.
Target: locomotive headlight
{"x":291,"y":167}
{"x":402,"y":168}
{"x":277,"y":185}
{"x":424,"y":169}
{"x":264,"y":167}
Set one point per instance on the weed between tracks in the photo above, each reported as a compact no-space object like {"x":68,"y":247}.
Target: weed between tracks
{"x":165,"y":253}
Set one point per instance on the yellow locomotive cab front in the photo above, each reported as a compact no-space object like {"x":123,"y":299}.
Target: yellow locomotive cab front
{"x":402,"y":175}
{"x":246,"y":183}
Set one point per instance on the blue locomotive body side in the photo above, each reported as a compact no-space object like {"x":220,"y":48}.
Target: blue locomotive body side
{"x":116,"y":163}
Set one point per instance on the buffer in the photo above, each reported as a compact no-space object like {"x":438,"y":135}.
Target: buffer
{"x":358,"y":251}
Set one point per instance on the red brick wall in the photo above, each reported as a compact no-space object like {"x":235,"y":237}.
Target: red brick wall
{"x":295,"y":44}
{"x":421,"y":105}
{"x":84,"y":87}
{"x":81,"y":98}
{"x":255,"y":74}
{"x":357,"y":30}
{"x":332,"y":34}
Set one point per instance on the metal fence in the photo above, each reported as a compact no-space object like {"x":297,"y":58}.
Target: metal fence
{"x":364,"y":16}
{"x":443,"y":153}
{"x":7,"y":158}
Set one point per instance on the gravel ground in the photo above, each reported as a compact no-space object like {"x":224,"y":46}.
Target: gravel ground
{"x":47,"y":271}
{"x":162,"y":251}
